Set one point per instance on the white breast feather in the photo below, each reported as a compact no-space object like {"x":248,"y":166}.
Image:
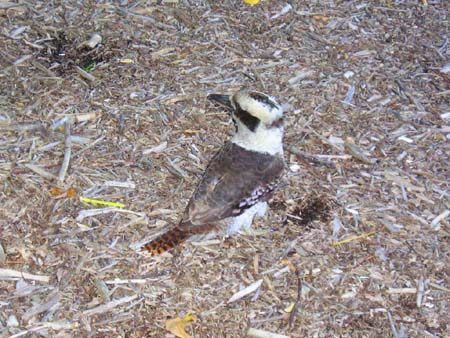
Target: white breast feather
{"x":245,"y":220}
{"x":262,"y":139}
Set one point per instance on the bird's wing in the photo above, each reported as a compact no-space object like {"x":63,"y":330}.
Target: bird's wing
{"x":234,"y":180}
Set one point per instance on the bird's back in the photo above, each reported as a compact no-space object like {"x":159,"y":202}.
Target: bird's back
{"x":234,"y":180}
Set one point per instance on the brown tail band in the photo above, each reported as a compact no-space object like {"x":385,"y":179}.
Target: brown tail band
{"x":166,"y":241}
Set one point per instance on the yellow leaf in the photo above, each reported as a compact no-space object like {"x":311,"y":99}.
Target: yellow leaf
{"x":289,"y":308}
{"x":177,"y":326}
{"x":251,"y":2}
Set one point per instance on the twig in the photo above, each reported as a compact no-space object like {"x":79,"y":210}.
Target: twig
{"x":126,"y":281}
{"x":435,"y":222}
{"x":85,"y":74}
{"x":255,"y":333}
{"x":392,"y":291}
{"x":109,"y":306}
{"x":270,"y":319}
{"x":13,"y":274}
{"x":67,"y":152}
{"x":101,"y":211}
{"x":438,"y":287}
{"x":356,"y":152}
{"x":445,"y":92}
{"x":42,"y":172}
{"x":61,"y":325}
{"x":40,"y":308}
{"x":44,"y":69}
{"x":309,"y":157}
{"x":420,"y":292}
{"x":150,"y":19}
{"x":8,"y":5}
{"x":298,"y":300}
{"x":351,"y":239}
{"x":2,"y":254}
{"x":249,"y":289}
{"x":391,"y":322}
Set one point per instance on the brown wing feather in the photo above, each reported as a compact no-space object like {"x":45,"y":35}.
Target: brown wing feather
{"x":234,"y":180}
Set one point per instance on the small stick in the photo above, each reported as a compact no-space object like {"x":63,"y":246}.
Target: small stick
{"x":248,"y":290}
{"x":255,"y":333}
{"x":356,"y":152}
{"x":298,"y":300}
{"x":67,"y":152}
{"x":309,"y":157}
{"x":40,"y":308}
{"x":13,"y":274}
{"x":109,"y":306}
{"x":60,"y":325}
{"x":351,"y":239}
{"x":42,"y":172}
{"x":438,"y":287}
{"x":85,"y":74}
{"x":392,"y":323}
{"x":125,"y":281}
{"x":150,"y":19}
{"x":392,"y":291}
{"x":2,"y":254}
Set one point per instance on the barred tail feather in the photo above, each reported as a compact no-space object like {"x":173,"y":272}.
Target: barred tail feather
{"x":166,"y":241}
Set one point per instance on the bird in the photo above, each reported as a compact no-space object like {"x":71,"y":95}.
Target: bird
{"x":240,"y":178}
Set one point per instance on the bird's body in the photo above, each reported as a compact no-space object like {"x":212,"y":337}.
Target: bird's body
{"x":239,"y":178}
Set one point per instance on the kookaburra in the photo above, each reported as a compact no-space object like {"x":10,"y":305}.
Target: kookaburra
{"x":240,"y":178}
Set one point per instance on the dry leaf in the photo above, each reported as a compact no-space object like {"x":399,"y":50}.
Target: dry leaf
{"x":177,"y":326}
{"x":55,"y":191}
{"x":251,"y":2}
{"x":71,"y":192}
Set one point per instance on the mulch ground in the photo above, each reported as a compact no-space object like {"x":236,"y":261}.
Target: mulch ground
{"x":108,"y":101}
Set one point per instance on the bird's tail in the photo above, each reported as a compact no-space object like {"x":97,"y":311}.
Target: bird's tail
{"x":166,"y":241}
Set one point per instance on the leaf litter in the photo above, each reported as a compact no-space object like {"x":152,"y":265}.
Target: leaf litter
{"x":366,"y":90}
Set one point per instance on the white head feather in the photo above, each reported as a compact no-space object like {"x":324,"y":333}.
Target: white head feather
{"x":267,"y":135}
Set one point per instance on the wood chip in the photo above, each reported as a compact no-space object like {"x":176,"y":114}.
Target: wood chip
{"x":244,"y":292}
{"x":256,"y":333}
{"x":109,"y":306}
{"x":2,"y":254}
{"x":13,"y":274}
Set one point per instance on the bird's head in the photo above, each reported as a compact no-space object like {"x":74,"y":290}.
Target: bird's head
{"x":258,"y":119}
{"x":251,"y":109}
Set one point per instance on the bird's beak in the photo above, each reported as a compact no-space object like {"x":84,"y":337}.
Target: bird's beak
{"x":223,"y":100}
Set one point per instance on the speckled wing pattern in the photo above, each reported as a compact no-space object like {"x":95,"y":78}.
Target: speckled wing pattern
{"x":234,"y":180}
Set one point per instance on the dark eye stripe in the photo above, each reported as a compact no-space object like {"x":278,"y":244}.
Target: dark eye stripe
{"x":246,"y":118}
{"x":263,"y":99}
